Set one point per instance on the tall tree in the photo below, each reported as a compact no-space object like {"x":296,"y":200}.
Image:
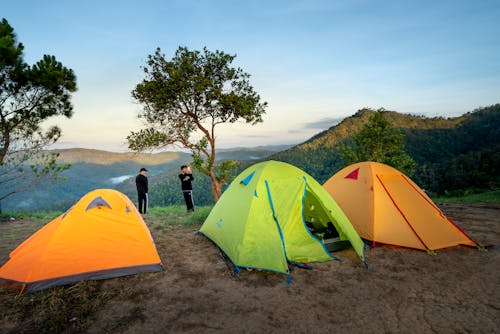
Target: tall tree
{"x":378,"y":141}
{"x":185,"y":98}
{"x":29,"y":95}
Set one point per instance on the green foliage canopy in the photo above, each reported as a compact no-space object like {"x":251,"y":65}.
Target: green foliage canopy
{"x":29,"y":95}
{"x":185,"y":98}
{"x":455,"y":156}
{"x":378,"y":141}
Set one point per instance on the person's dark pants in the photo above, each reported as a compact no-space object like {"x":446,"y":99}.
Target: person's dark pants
{"x":188,"y":198}
{"x":143,"y":203}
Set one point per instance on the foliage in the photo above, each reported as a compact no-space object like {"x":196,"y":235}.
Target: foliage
{"x":320,"y":155}
{"x":465,"y":158}
{"x":378,"y":141}
{"x":459,"y":154}
{"x":455,"y":156}
{"x":29,"y":95}
{"x":227,"y":170}
{"x":165,"y":189}
{"x":92,"y":169}
{"x":27,"y":214}
{"x":185,"y":98}
{"x":467,"y":197}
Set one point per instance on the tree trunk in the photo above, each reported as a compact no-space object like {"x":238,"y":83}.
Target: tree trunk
{"x":6,"y":143}
{"x":216,"y":187}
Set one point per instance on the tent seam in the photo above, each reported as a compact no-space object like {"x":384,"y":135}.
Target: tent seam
{"x":441,"y":213}
{"x":401,"y":212}
{"x":276,"y":220}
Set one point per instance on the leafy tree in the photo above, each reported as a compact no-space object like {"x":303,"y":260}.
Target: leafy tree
{"x":378,"y":141}
{"x":29,"y":95}
{"x":185,"y":98}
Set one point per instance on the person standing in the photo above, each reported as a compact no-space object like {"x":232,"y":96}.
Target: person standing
{"x":186,"y":177}
{"x":141,"y":182}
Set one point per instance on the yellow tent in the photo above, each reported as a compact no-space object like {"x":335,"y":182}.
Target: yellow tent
{"x":385,"y":206}
{"x":101,"y":236}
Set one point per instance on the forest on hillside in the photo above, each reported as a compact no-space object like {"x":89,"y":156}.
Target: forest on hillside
{"x":454,"y":155}
{"x":93,"y":169}
{"x":462,"y":159}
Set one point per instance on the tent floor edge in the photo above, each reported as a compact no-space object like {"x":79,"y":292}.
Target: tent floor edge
{"x":92,"y":276}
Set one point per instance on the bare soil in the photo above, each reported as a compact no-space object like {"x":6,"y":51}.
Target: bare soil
{"x":402,"y":291}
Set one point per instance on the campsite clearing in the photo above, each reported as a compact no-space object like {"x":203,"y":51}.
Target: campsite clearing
{"x":403,"y":290}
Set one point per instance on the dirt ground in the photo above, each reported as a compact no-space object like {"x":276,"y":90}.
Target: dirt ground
{"x":402,"y":291}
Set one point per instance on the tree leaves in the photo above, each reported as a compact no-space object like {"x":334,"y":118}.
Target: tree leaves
{"x":378,"y":141}
{"x":185,"y":98}
{"x":28,"y":97}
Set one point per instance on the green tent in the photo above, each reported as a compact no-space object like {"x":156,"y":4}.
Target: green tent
{"x":260,"y":220}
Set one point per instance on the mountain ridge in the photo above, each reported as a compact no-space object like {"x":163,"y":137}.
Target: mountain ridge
{"x":453,"y":154}
{"x":434,"y":142}
{"x":91,"y":169}
{"x":103,"y":157}
{"x":86,"y":155}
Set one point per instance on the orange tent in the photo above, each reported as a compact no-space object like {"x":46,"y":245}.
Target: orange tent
{"x":101,"y":236}
{"x":385,"y":206}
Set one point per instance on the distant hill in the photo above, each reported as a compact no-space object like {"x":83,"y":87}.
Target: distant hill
{"x":250,"y":153}
{"x":319,"y":155}
{"x":75,"y":155}
{"x":441,"y":147}
{"x":454,"y":155}
{"x":462,"y":159}
{"x":91,"y":169}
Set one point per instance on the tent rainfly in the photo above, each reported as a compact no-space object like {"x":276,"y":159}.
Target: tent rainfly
{"x":260,"y":220}
{"x":385,"y":206}
{"x":101,"y":236}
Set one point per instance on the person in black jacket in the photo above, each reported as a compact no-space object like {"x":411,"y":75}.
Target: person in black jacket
{"x":141,"y":182}
{"x":186,"y":177}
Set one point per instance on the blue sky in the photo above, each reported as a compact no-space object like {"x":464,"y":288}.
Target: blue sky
{"x":314,"y":62}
